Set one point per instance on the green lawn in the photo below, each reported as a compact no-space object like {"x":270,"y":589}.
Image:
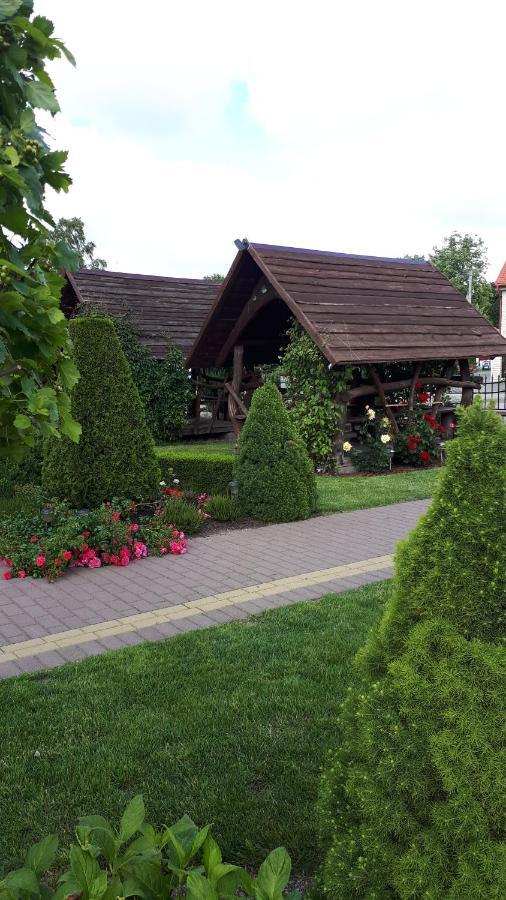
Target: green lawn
{"x":201,"y":446}
{"x":361,"y":492}
{"x":229,"y":725}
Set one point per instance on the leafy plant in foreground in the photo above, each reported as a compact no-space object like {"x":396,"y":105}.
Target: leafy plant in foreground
{"x":135,"y":860}
{"x":36,"y":369}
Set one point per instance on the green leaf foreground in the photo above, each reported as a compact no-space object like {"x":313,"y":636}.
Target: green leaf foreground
{"x":138,"y":861}
{"x":36,"y":371}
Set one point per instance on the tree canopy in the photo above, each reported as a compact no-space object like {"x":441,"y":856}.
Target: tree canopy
{"x":457,"y":257}
{"x":72,"y":232}
{"x":36,"y":369}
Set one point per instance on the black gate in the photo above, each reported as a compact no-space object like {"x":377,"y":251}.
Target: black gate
{"x":496,"y":391}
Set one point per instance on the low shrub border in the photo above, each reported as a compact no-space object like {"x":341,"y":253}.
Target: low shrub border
{"x":199,"y":471}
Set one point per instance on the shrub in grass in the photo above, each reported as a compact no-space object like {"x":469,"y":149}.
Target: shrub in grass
{"x":275,"y":477}
{"x":412,"y":803}
{"x":223,"y":508}
{"x":115,"y":456}
{"x":199,"y":470}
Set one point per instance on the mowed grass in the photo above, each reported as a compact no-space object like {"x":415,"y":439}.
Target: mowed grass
{"x":229,"y":725}
{"x":343,"y":494}
{"x":202,"y":447}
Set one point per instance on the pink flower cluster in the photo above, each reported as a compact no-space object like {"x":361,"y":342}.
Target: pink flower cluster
{"x":176,"y":546}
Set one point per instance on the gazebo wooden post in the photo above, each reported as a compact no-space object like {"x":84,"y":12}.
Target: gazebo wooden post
{"x":412,"y":389}
{"x":238,"y":367}
{"x":465,"y":374}
{"x":381,"y":393}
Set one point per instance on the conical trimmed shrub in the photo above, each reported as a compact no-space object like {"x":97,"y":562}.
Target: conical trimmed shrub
{"x":413,"y":803}
{"x":115,"y":456}
{"x":275,"y":477}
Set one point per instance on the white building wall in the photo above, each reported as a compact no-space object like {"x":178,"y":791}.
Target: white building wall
{"x":497,"y":363}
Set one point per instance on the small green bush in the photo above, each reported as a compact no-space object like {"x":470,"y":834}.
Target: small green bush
{"x":223,"y":508}
{"x":134,"y":860}
{"x":204,"y":472}
{"x":182,"y":515}
{"x":115,"y":456}
{"x":275,"y":476}
{"x":413,"y":802}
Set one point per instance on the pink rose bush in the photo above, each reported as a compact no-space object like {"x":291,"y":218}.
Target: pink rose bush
{"x":103,"y":537}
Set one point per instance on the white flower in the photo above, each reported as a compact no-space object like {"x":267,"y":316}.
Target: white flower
{"x":346,"y":446}
{"x":176,"y":480}
{"x":385,"y":438}
{"x":371,"y":414}
{"x":162,"y":484}
{"x":385,"y":421}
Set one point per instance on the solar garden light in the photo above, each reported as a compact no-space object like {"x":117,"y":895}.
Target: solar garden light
{"x":47,"y":514}
{"x":390,"y":461}
{"x":232,"y":488}
{"x":442,"y":451}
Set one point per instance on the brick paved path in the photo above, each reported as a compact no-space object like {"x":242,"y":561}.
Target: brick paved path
{"x":226,"y":576}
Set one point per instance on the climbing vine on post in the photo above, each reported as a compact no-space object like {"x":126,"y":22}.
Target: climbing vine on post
{"x":312,"y":396}
{"x":36,"y":371}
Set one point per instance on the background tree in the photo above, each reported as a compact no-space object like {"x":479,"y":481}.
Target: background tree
{"x":215,"y":277}
{"x":459,"y":255}
{"x":36,"y":371}
{"x":72,"y":232}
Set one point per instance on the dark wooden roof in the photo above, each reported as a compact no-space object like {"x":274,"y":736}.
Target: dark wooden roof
{"x":159,"y":308}
{"x":356,"y":308}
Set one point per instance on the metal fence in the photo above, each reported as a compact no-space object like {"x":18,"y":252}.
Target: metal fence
{"x":496,"y":391}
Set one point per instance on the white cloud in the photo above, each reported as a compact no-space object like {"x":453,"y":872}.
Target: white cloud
{"x":374,"y":128}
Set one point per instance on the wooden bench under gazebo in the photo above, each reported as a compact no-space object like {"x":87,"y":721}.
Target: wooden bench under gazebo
{"x":370,"y":313}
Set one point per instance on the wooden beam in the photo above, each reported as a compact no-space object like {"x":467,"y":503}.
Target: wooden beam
{"x":366,"y":389}
{"x":381,"y":392}
{"x":261,"y":296}
{"x":238,"y":367}
{"x":438,"y":396}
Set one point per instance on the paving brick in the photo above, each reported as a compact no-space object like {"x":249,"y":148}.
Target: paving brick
{"x":216,"y":564}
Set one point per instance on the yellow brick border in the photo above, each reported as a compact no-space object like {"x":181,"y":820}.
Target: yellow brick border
{"x":74,"y":636}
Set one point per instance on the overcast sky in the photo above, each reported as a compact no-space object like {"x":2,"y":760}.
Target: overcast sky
{"x":365,"y":127}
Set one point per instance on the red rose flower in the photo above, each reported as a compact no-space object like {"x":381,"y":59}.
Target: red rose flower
{"x":34,"y":539}
{"x":21,"y":573}
{"x":423,"y":397}
{"x":40,"y":561}
{"x":424,"y":456}
{"x":418,"y":386}
{"x":57,"y":563}
{"x":115,"y":516}
{"x":86,"y":533}
{"x":7,"y":576}
{"x":67,"y":555}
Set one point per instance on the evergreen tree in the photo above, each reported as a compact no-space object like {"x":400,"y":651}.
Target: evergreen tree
{"x":115,"y":456}
{"x":413,"y":802}
{"x":274,"y":474}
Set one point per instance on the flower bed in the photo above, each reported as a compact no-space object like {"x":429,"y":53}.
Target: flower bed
{"x":47,"y":542}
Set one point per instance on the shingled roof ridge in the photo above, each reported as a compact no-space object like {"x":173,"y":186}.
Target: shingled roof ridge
{"x":101,"y":272}
{"x":388,"y":259}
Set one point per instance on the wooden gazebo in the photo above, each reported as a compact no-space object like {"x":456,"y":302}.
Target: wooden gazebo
{"x":161,"y":311}
{"x":361,"y":311}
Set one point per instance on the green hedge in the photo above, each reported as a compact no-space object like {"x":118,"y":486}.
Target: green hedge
{"x":199,"y":471}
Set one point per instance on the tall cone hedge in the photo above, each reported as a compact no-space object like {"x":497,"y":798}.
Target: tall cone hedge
{"x":115,"y":456}
{"x":275,"y":477}
{"x":413,"y":803}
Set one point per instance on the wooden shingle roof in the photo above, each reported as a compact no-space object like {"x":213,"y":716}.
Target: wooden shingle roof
{"x":357,"y":309}
{"x":159,"y":308}
{"x":501,"y":278}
